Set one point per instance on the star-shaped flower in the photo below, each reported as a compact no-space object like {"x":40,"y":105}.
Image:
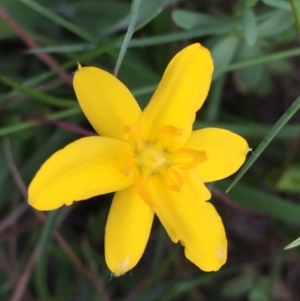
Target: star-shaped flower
{"x":152,"y":159}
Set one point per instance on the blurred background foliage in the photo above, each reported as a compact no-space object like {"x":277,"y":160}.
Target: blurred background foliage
{"x":59,"y":255}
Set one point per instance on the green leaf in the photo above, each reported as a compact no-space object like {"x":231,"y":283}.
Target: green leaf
{"x":150,"y":9}
{"x":293,"y":244}
{"x":222,"y":51}
{"x":101,"y":17}
{"x":69,"y":64}
{"x":262,"y":202}
{"x":43,"y":254}
{"x":30,"y":124}
{"x":237,"y":286}
{"x":259,"y":291}
{"x":42,"y":97}
{"x":280,"y":4}
{"x":251,"y":3}
{"x":290,"y":180}
{"x":265,"y":59}
{"x":61,"y":21}
{"x":26,"y":17}
{"x":275,"y":24}
{"x":253,"y":130}
{"x":133,"y":18}
{"x":253,"y":75}
{"x":295,"y":106}
{"x":59,"y":115}
{"x":108,"y":17}
{"x":296,"y":10}
{"x":210,"y":24}
{"x":249,"y":25}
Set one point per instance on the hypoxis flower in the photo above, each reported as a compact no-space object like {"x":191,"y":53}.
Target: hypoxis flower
{"x":152,"y":159}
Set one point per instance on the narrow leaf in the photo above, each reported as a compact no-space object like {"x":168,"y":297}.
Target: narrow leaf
{"x":42,"y":97}
{"x":61,"y":21}
{"x":264,"y":203}
{"x":249,"y":25}
{"x":133,"y":18}
{"x":266,"y":141}
{"x":296,"y":10}
{"x":293,"y":244}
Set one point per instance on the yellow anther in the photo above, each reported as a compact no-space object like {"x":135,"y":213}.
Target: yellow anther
{"x":171,"y":131}
{"x":196,"y":156}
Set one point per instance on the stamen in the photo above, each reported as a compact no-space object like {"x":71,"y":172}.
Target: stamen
{"x":179,"y":178}
{"x":128,"y":167}
{"x":170,"y":131}
{"x":143,"y":192}
{"x":129,"y":130}
{"x":132,"y":134}
{"x":150,"y":159}
{"x":196,"y":156}
{"x":174,"y":183}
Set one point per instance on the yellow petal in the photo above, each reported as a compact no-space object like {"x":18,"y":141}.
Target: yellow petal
{"x":193,"y":222}
{"x":105,"y":101}
{"x":127,"y":231}
{"x":180,"y":94}
{"x":225,"y":150}
{"x":83,"y":169}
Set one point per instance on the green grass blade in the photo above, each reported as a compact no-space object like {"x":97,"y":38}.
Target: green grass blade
{"x":265,"y":59}
{"x":253,"y":131}
{"x":169,"y":38}
{"x":31,"y":124}
{"x":253,"y":198}
{"x":68,"y":48}
{"x":43,"y":253}
{"x":60,"y":115}
{"x":101,"y":49}
{"x":133,"y":18}
{"x":280,"y":4}
{"x":296,"y":10}
{"x":42,"y":97}
{"x":268,"y":138}
{"x":61,"y":21}
{"x":249,"y":25}
{"x":293,"y":244}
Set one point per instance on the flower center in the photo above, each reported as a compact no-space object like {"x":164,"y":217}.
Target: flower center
{"x":154,"y":158}
{"x":150,"y":158}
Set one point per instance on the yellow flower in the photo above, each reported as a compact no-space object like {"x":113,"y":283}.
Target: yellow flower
{"x":152,"y":159}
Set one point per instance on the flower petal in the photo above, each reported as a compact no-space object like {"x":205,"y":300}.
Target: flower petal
{"x":127,"y":231}
{"x":105,"y":101}
{"x":83,"y":169}
{"x":180,"y":94}
{"x":193,"y":222}
{"x":226,"y":152}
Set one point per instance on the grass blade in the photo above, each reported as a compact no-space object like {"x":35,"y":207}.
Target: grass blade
{"x":133,"y":18}
{"x":268,"y":138}
{"x":61,"y":21}
{"x":43,"y":252}
{"x":296,"y":10}
{"x":293,"y":244}
{"x":42,"y":97}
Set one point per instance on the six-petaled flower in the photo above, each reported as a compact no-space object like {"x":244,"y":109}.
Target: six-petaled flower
{"x":152,"y":159}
